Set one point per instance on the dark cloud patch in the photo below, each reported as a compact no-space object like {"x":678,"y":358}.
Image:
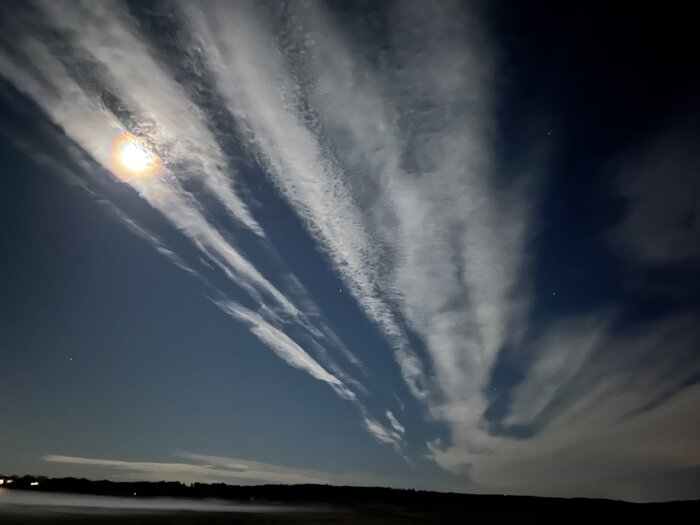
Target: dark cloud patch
{"x":660,"y":183}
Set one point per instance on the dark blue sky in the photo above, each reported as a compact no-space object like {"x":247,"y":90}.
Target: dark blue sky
{"x":450,"y":247}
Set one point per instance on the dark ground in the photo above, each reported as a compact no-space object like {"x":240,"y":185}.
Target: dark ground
{"x":312,"y":504}
{"x":543,"y":512}
{"x":340,"y":516}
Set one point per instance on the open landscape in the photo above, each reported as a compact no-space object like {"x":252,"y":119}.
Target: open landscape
{"x":349,"y":261}
{"x":104,"y":502}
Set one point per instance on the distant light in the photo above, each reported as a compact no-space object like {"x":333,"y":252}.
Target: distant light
{"x":34,"y":483}
{"x":9,"y":481}
{"x":134,"y":158}
{"x":2,"y":481}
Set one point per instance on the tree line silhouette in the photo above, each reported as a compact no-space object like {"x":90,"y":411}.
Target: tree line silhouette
{"x":454,"y":504}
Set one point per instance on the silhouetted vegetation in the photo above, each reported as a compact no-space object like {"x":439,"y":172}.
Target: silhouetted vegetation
{"x":376,"y":504}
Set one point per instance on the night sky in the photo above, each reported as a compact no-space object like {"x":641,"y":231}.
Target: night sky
{"x":441,"y":245}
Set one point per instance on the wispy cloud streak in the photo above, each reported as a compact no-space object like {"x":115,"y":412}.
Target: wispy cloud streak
{"x":390,"y":169}
{"x":285,"y":347}
{"x":192,"y":467}
{"x":198,"y":467}
{"x":106,"y":31}
{"x":96,"y":77}
{"x":264,"y":97}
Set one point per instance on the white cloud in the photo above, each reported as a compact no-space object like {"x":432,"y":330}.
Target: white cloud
{"x":285,"y":347}
{"x":381,"y":433}
{"x":164,"y":110}
{"x":126,"y":69}
{"x":262,"y":95}
{"x":560,"y":356}
{"x":651,"y":457}
{"x":86,"y":120}
{"x":659,"y":181}
{"x":391,"y":171}
{"x":297,"y":357}
{"x":398,"y":427}
{"x":619,"y":426}
{"x":191,"y":467}
{"x":200,"y":468}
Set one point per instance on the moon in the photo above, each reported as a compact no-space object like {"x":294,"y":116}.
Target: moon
{"x":134,"y":158}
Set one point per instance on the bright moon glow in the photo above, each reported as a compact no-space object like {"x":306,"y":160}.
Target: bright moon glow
{"x":133,"y":158}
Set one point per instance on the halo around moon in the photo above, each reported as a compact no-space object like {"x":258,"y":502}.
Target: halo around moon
{"x":133,"y":157}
